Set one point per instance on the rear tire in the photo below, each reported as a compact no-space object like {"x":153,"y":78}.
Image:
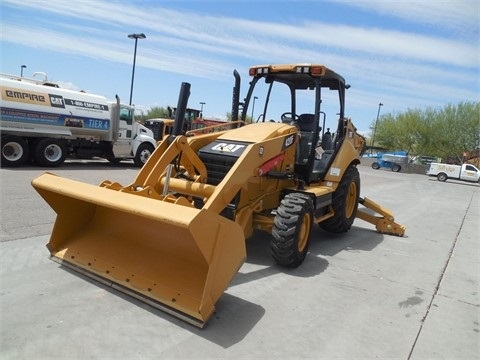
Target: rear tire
{"x":291,"y":230}
{"x":344,"y":203}
{"x":143,"y":153}
{"x":442,"y":177}
{"x":14,"y":151}
{"x":375,"y":166}
{"x":50,"y":152}
{"x":396,"y":168}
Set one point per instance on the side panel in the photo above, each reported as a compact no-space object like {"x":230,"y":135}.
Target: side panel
{"x":452,"y":171}
{"x":345,"y":156}
{"x":36,"y":110}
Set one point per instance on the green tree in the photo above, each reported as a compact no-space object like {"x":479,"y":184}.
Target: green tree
{"x":446,"y":132}
{"x":399,"y":132}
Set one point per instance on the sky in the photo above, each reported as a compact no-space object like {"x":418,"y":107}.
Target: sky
{"x":404,"y":54}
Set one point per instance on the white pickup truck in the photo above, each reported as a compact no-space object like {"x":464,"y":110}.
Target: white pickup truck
{"x":465,"y":172}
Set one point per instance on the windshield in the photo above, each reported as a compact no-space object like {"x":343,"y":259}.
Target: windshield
{"x":270,"y":100}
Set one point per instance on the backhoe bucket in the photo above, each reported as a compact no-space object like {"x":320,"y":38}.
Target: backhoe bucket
{"x":174,"y":257}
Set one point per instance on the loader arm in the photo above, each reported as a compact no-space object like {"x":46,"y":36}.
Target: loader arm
{"x":153,"y":168}
{"x":153,"y":175}
{"x":153,"y":180}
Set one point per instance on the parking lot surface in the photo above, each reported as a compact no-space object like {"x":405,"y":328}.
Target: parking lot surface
{"x":360,"y":295}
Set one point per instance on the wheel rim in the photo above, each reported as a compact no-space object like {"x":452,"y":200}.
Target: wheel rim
{"x":144,"y":155}
{"x":304,"y":232}
{"x":351,"y":199}
{"x":12,"y":151}
{"x":53,"y":153}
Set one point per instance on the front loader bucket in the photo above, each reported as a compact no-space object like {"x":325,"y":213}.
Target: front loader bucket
{"x":174,"y":257}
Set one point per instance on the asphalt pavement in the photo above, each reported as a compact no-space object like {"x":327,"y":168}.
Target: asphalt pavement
{"x":360,"y":295}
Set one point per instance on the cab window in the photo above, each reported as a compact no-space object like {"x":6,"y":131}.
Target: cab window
{"x":126,"y":115}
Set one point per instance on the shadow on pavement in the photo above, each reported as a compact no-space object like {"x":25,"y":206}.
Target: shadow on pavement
{"x":322,"y":244}
{"x":219,"y":330}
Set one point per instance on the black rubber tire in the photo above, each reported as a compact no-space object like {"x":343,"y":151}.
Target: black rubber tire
{"x":375,"y":166}
{"x":143,"y":153}
{"x":291,"y":230}
{"x":344,"y":203}
{"x":396,"y":168}
{"x":50,"y":152}
{"x":442,"y":177}
{"x":14,"y":151}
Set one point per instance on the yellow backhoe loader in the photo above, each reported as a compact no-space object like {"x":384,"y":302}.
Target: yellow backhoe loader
{"x":175,"y":237}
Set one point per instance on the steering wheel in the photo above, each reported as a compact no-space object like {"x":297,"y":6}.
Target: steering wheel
{"x":289,"y":116}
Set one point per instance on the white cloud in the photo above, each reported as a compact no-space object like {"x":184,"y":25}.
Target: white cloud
{"x":402,"y":67}
{"x":450,"y":14}
{"x":229,"y":36}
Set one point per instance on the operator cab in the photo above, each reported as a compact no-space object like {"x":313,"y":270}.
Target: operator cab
{"x":307,"y":90}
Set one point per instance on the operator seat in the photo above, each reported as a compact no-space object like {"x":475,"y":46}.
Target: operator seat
{"x":306,"y":124}
{"x":305,"y":160}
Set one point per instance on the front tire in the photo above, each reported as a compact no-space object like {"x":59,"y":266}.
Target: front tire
{"x":344,"y":203}
{"x":143,"y":153}
{"x":375,"y":166}
{"x":291,"y":230}
{"x":14,"y":151}
{"x":50,"y":152}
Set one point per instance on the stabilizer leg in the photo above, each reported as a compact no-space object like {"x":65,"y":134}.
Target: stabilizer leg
{"x":385,"y":223}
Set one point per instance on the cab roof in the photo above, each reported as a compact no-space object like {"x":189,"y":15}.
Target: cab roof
{"x":300,"y":76}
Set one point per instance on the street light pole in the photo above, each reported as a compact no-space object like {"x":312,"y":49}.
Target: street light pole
{"x":21,"y":70}
{"x":253,"y":106}
{"x":376,"y":122}
{"x":201,"y":109}
{"x":136,"y":37}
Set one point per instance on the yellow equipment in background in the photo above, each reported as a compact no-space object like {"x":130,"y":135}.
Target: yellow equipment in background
{"x":175,"y":237}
